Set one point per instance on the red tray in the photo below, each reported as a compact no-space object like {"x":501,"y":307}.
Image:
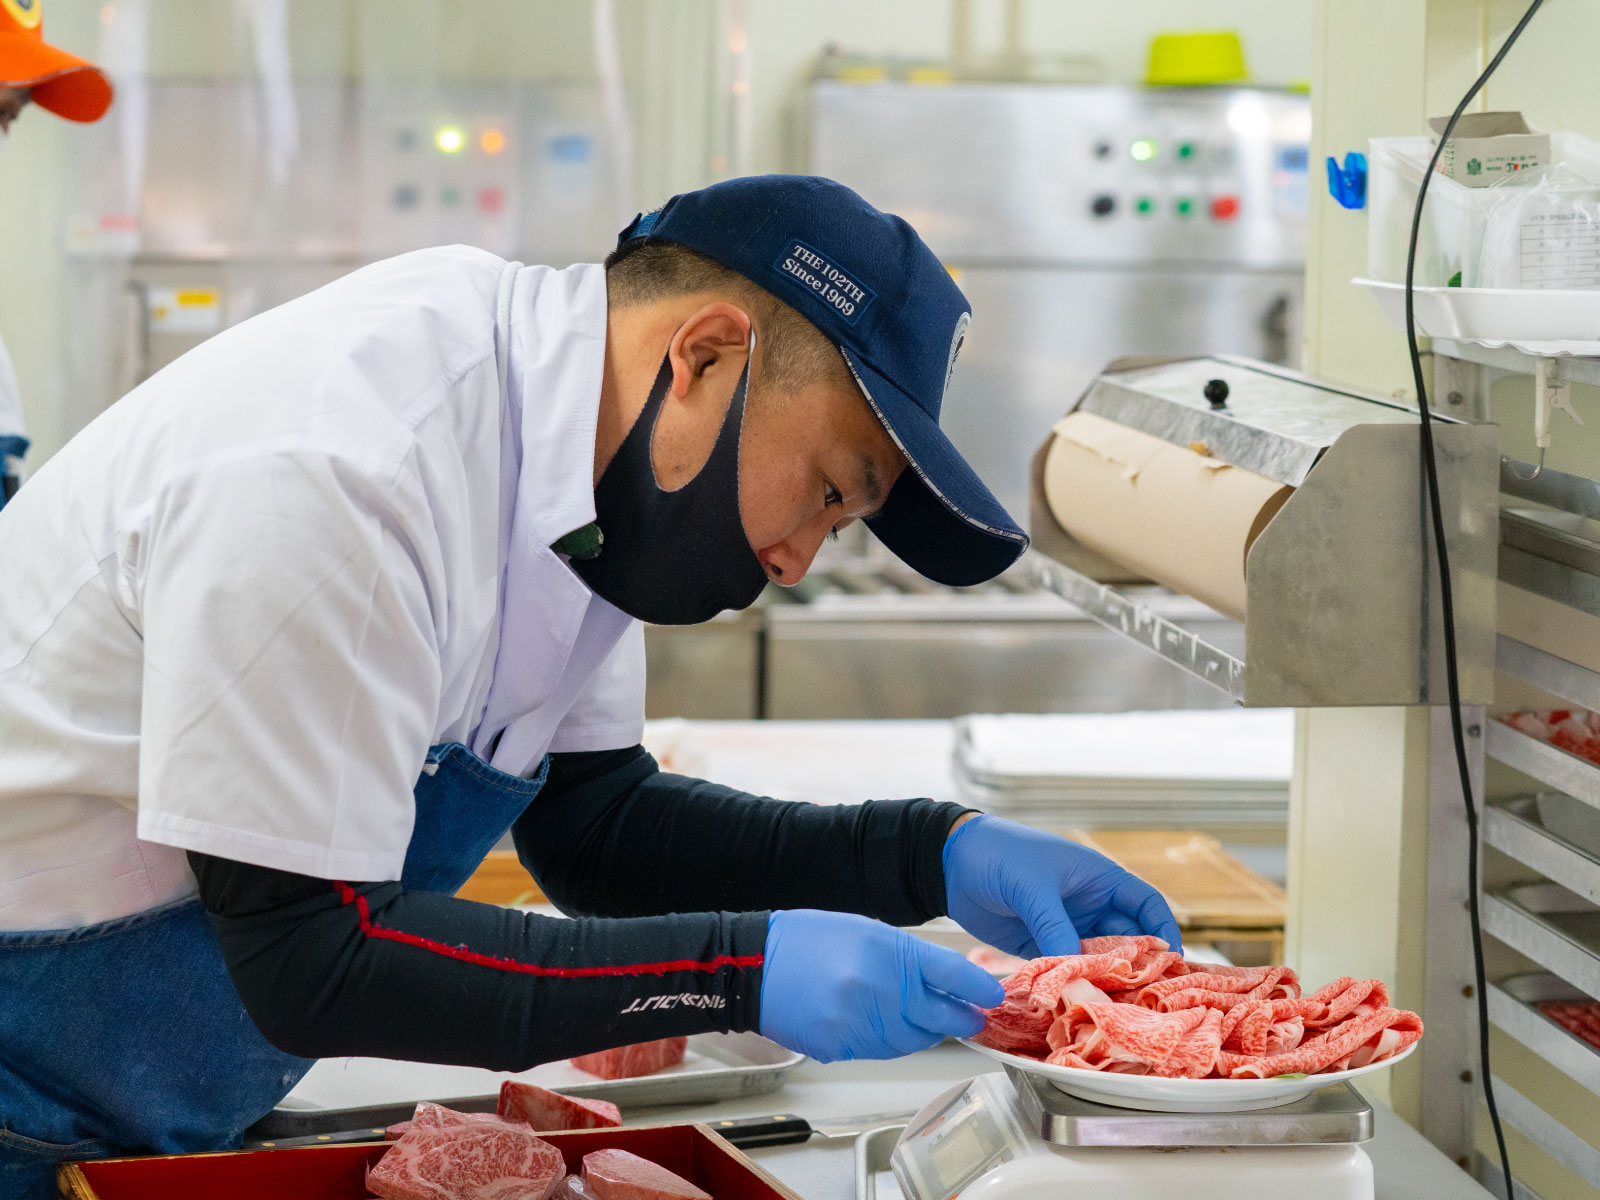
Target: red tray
{"x":339,"y":1172}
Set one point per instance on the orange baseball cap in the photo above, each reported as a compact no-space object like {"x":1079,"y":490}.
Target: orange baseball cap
{"x":62,"y":83}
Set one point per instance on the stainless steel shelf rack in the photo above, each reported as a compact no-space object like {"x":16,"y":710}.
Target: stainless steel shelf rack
{"x":1555,"y":923}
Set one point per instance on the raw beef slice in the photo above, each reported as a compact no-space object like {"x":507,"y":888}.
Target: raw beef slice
{"x":430,"y":1114}
{"x":618,"y":1175}
{"x":468,"y":1162}
{"x":1580,"y":1018}
{"x":1130,"y":1006}
{"x":626,"y":1062}
{"x":547,"y":1110}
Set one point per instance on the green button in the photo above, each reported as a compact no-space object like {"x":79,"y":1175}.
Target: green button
{"x":1144,"y":205}
{"x":1185,"y":207}
{"x":450,"y":197}
{"x":1185,"y":149}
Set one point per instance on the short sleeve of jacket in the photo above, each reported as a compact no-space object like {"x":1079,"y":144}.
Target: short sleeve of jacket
{"x":609,"y":711}
{"x":291,"y":669}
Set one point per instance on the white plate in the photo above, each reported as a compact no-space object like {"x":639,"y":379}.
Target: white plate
{"x":1155,"y":1094}
{"x":1547,"y":322}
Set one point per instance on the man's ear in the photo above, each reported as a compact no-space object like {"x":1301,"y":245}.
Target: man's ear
{"x":710,"y":335}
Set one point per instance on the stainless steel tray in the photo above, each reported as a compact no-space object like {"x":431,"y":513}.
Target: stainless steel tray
{"x":873,"y":1150}
{"x":1554,"y":834}
{"x":1513,"y":1008}
{"x":717,"y":1066}
{"x":1549,"y":924}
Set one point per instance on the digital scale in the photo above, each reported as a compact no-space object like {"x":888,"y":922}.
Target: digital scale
{"x":1013,"y":1136}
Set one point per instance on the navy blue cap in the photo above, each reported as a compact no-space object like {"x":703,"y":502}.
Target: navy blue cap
{"x":870,"y":284}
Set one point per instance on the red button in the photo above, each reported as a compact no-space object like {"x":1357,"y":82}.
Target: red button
{"x":1224,"y":208}
{"x":491,"y":200}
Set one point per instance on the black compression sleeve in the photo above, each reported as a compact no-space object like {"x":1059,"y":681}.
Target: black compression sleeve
{"x":373,"y":969}
{"x":612,"y":835}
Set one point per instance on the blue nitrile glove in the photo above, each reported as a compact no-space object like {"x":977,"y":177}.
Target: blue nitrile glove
{"x":836,"y":985}
{"x":1032,"y":893}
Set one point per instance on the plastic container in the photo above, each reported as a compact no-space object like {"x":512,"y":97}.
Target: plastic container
{"x":1195,"y":59}
{"x":1454,"y":218}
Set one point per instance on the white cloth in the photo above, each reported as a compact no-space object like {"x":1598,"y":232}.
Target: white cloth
{"x":10,"y":396}
{"x":244,"y":601}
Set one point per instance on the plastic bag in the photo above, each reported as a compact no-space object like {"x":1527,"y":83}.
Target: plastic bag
{"x":1543,"y":232}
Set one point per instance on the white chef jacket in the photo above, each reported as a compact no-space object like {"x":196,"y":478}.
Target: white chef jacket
{"x":242,"y":604}
{"x":10,"y":396}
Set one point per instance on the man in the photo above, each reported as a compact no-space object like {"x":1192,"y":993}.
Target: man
{"x":301,"y":626}
{"x":60,"y":83}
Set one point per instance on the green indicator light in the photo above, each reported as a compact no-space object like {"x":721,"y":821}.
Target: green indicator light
{"x":1186,"y":150}
{"x":1144,"y":205}
{"x":1185,"y":207}
{"x":1143,"y":150}
{"x":450,"y":139}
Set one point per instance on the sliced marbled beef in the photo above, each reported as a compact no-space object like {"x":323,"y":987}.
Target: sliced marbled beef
{"x":546,"y":1110}
{"x":468,"y":1162}
{"x":618,"y":1175}
{"x":626,"y":1062}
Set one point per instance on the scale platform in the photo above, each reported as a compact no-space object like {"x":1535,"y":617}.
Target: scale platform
{"x":1328,"y":1116}
{"x":1014,"y":1136}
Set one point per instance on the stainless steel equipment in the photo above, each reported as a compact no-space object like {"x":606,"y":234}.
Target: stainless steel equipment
{"x":1084,"y":223}
{"x":196,"y":217}
{"x":864,"y":639}
{"x":1341,"y":610}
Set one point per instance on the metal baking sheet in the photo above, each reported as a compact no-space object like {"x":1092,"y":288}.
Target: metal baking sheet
{"x":352,"y":1093}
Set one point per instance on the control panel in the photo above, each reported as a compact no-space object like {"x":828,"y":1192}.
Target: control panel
{"x":508,"y":170}
{"x":1086,"y":174}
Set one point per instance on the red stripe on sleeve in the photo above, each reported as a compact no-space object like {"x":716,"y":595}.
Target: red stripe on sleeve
{"x":372,"y":929}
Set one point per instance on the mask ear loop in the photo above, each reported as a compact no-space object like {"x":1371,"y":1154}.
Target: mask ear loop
{"x":655,"y":421}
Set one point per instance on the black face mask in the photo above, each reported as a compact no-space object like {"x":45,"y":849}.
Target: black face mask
{"x":680,"y":557}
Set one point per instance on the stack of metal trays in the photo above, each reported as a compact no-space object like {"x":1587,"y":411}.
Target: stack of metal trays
{"x":1142,"y":770}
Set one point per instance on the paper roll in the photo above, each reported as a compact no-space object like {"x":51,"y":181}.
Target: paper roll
{"x":1175,"y":515}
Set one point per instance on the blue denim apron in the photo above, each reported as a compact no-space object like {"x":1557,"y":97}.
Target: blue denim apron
{"x":128,"y":1036}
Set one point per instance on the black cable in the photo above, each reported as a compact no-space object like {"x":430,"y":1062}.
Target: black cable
{"x":1431,"y":469}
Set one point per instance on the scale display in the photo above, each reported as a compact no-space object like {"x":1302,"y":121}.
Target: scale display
{"x":967,"y":1137}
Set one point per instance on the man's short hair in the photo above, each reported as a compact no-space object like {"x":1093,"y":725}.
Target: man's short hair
{"x":791,"y":352}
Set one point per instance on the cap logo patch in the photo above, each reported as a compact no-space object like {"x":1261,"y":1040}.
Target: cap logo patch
{"x":957,"y":340}
{"x":823,"y":278}
{"x":26,"y":13}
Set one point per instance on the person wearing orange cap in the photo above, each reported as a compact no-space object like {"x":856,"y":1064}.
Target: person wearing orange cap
{"x":33,"y":71}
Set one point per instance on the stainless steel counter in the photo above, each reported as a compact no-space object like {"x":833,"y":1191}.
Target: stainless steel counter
{"x":1406,"y":1165}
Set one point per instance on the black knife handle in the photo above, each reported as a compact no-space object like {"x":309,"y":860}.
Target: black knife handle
{"x":343,"y":1138}
{"x":777,"y":1129}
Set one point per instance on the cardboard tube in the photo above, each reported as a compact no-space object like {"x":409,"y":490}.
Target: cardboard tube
{"x":1175,"y":515}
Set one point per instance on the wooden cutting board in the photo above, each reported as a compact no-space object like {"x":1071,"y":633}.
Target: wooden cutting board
{"x":502,"y":879}
{"x":1205,"y":885}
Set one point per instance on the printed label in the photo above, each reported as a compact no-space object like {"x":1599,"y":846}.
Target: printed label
{"x":825,"y":279}
{"x":673,"y":1000}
